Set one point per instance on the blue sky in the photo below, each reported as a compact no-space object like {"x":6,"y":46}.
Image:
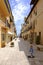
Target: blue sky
{"x":20,"y":9}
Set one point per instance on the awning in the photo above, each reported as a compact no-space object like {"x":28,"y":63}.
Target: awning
{"x":10,"y":33}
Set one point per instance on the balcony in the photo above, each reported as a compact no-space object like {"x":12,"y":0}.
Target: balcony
{"x":11,"y":19}
{"x":30,"y":27}
{"x":27,"y":22}
{"x":33,"y":2}
{"x":7,"y":24}
{"x":15,"y":30}
{"x":27,"y":29}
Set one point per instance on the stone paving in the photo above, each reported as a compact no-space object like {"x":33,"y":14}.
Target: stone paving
{"x":18,"y":54}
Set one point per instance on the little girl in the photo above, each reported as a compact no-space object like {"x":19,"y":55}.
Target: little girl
{"x":31,"y":50}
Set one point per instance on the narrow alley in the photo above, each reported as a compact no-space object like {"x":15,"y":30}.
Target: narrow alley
{"x":21,"y":32}
{"x":19,"y":54}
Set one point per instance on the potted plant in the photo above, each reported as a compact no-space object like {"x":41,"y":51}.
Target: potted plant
{"x":12,"y":44}
{"x":37,"y":40}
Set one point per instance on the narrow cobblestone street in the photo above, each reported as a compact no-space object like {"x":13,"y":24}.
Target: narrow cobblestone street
{"x":19,"y":54}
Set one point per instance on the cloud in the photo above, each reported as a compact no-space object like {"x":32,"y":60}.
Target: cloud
{"x":23,"y":1}
{"x":19,"y":11}
{"x":18,"y":28}
{"x":17,"y":0}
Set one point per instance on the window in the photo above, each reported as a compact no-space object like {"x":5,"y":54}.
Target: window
{"x":3,"y":37}
{"x":36,"y":22}
{"x":35,"y":11}
{"x":7,"y":24}
{"x":33,"y":24}
{"x":31,"y":16}
{"x":40,"y":34}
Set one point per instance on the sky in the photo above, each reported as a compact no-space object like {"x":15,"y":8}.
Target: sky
{"x":20,"y":9}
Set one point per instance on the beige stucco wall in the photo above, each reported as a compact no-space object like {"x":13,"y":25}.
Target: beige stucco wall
{"x":2,"y":24}
{"x":39,"y":26}
{"x":38,"y":18}
{"x":0,"y":36}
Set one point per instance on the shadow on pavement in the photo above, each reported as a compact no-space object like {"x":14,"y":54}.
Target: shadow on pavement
{"x":24,"y":46}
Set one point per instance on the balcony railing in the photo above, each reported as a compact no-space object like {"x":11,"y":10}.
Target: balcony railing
{"x":30,"y":27}
{"x":7,"y":3}
{"x":11,"y":20}
{"x":33,"y":1}
{"x":7,"y":24}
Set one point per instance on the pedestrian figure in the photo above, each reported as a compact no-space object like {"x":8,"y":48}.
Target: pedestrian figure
{"x":31,"y":50}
